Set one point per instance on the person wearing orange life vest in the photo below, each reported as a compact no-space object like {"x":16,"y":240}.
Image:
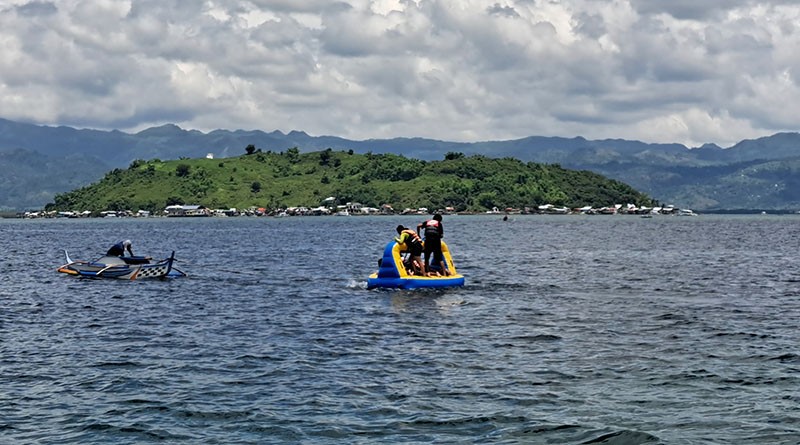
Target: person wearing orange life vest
{"x":413,"y":245}
{"x":434,"y":231}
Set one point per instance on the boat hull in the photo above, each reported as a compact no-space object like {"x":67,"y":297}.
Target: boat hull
{"x":393,"y":275}
{"x":121,"y":268}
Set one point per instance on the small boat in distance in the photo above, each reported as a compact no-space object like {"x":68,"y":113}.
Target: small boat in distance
{"x":393,"y":274}
{"x":122,"y":267}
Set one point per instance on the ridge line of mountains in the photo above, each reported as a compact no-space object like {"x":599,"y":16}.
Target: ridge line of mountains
{"x":37,"y":162}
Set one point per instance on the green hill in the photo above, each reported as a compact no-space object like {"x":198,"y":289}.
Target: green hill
{"x":286,"y":179}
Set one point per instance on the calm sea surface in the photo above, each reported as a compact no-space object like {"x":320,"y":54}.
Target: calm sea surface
{"x":570,"y":330}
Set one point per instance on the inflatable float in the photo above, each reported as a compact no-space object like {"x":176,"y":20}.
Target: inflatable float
{"x":392,"y":274}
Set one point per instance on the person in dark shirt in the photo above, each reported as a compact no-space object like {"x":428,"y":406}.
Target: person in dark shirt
{"x":434,"y":231}
{"x":119,"y":248}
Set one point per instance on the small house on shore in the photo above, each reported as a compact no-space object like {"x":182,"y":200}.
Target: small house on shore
{"x":186,"y":210}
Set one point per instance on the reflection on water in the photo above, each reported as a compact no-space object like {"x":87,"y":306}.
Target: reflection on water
{"x":439,"y":300}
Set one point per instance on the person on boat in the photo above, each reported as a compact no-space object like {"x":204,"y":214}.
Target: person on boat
{"x":413,"y":245}
{"x":434,"y":231}
{"x":119,"y":248}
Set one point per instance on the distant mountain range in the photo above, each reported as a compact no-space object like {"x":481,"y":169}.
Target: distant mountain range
{"x":36,"y":162}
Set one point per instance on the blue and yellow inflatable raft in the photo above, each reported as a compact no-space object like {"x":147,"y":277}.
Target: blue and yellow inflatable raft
{"x":392,"y":273}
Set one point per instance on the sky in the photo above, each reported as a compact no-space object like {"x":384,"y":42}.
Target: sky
{"x":685,"y":71}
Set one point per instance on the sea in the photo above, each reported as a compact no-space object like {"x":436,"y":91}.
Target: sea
{"x":571,"y":329}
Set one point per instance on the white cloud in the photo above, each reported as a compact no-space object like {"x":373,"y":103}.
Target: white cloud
{"x":678,"y":71}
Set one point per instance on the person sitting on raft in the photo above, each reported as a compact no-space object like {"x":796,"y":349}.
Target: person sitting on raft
{"x":119,"y":248}
{"x":413,"y":244}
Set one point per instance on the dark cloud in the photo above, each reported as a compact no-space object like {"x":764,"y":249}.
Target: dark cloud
{"x":590,"y":25}
{"x":688,"y":9}
{"x":497,"y":9}
{"x":37,"y":8}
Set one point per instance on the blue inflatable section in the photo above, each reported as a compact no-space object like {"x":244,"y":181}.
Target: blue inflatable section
{"x":388,"y":268}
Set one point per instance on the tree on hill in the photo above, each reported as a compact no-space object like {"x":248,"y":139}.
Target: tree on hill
{"x":325,"y":157}
{"x":182,"y":170}
{"x":293,"y":154}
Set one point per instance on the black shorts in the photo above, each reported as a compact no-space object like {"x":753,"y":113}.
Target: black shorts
{"x":434,"y":246}
{"x":415,"y":249}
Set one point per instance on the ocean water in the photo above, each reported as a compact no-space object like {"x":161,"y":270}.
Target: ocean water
{"x":570,"y":330}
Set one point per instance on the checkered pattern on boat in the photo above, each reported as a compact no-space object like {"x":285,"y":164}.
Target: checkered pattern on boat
{"x":150,"y":272}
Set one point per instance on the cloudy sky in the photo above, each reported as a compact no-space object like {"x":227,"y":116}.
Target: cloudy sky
{"x":688,"y":71}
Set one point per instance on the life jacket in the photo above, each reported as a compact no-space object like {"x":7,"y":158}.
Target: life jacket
{"x":414,"y":238}
{"x":432,"y":228}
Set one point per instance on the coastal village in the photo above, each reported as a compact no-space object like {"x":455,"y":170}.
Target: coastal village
{"x":357,"y":209}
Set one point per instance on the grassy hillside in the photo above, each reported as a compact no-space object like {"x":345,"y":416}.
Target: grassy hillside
{"x":285,"y":179}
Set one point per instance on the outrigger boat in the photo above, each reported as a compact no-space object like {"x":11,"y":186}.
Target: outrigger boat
{"x":122,"y":267}
{"x":393,"y":274}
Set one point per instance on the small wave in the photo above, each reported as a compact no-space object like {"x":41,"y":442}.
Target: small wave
{"x":669,"y":316}
{"x":539,"y":337}
{"x":136,"y":401}
{"x":463,"y":425}
{"x":122,"y":364}
{"x":215,"y":415}
{"x":624,"y":437}
{"x":446,"y":302}
{"x":464,"y":351}
{"x":695,"y":374}
{"x":356,"y":284}
{"x":744,"y":335}
{"x":556,"y":375}
{"x":495,"y":286}
{"x":135,"y":430}
{"x":259,"y":358}
{"x":754,"y":381}
{"x":547,"y":428}
{"x":787,"y":358}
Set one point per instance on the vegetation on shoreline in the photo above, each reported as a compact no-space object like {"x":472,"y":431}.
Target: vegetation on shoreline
{"x":290,"y":178}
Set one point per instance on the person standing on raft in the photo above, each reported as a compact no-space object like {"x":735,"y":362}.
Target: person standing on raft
{"x":434,"y":231}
